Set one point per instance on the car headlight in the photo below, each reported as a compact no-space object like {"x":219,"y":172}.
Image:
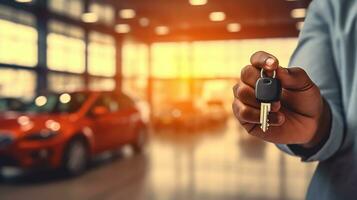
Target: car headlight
{"x":43,"y":135}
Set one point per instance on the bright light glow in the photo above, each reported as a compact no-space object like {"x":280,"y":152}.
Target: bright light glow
{"x":299,"y":25}
{"x":102,"y":54}
{"x":23,"y":1}
{"x":25,"y":44}
{"x":41,"y":101}
{"x":65,"y":98}
{"x":198,"y":2}
{"x":23,"y":120}
{"x":144,"y":22}
{"x":217,"y":16}
{"x":203,"y":58}
{"x":298,"y":13}
{"x":53,"y":125}
{"x":122,"y":28}
{"x":71,"y":51}
{"x":127,"y":13}
{"x":25,"y":81}
{"x":234,"y":27}
{"x":89,"y":17}
{"x":162,"y":30}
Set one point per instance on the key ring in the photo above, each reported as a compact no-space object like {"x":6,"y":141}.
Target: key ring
{"x":262,"y":73}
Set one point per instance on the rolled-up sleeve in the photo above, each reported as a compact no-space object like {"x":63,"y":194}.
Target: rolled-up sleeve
{"x":314,"y":54}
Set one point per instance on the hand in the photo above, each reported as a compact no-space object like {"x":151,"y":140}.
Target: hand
{"x":300,"y":117}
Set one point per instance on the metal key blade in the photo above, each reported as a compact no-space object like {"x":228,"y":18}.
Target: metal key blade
{"x":264,"y":112}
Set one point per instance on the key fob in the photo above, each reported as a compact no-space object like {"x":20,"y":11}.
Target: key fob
{"x":267,"y":90}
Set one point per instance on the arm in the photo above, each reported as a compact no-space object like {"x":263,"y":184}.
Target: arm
{"x":315,"y":54}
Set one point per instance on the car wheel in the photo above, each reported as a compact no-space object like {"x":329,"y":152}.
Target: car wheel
{"x":76,"y":157}
{"x":140,"y":141}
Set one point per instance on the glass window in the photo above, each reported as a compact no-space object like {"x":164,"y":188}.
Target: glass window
{"x":108,"y":101}
{"x":214,"y":58}
{"x":101,"y":84}
{"x":17,"y":37}
{"x":101,"y":55}
{"x":227,"y":58}
{"x":135,"y":87}
{"x":71,"y":8}
{"x":65,"y":83}
{"x":25,"y":83}
{"x":171,"y":59}
{"x":135,"y":60}
{"x":105,"y":12}
{"x":66,"y":48}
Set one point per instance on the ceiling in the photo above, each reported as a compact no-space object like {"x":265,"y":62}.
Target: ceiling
{"x":257,"y":18}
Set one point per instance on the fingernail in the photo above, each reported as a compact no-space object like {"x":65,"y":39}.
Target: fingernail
{"x":269,"y":63}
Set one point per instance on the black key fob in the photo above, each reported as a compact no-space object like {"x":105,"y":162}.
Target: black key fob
{"x":267,"y":90}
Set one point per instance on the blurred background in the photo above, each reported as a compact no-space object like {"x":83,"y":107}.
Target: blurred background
{"x":175,"y":62}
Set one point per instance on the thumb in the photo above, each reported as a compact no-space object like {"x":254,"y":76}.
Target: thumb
{"x":294,"y":78}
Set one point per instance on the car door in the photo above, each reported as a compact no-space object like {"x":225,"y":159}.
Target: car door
{"x":104,"y":124}
{"x":126,"y":114}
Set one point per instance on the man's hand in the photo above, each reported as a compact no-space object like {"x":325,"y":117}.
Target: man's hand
{"x":300,"y":117}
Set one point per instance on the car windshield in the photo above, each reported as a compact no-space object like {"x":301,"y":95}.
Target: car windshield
{"x":57,"y":103}
{"x":11,"y":104}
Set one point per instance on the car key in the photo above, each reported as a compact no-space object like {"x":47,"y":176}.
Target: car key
{"x":267,"y":91}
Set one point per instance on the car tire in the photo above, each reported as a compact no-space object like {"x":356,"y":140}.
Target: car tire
{"x":76,"y":157}
{"x":140,"y":141}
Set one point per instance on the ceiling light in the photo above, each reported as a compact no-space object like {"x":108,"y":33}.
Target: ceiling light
{"x":198,"y":2}
{"x":127,"y":13}
{"x":23,"y":1}
{"x":89,"y":17}
{"x":217,"y":16}
{"x":298,"y":13}
{"x":299,"y":25}
{"x":122,"y":28}
{"x":162,"y":30}
{"x":234,"y":27}
{"x":144,"y":22}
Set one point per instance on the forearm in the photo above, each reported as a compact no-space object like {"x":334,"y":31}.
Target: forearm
{"x":323,"y":128}
{"x":321,"y":136}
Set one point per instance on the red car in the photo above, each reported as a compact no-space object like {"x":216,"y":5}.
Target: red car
{"x":66,"y":130}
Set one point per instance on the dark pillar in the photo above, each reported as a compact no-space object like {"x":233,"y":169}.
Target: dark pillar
{"x":119,"y":71}
{"x":86,"y":42}
{"x":42,"y":70}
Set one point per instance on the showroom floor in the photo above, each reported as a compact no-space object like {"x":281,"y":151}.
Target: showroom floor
{"x":217,"y":164}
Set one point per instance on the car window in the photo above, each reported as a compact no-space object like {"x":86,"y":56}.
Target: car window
{"x":108,"y":102}
{"x":9,"y":104}
{"x":125,"y":101}
{"x":57,"y":103}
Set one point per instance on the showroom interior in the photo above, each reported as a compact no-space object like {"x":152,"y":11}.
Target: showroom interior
{"x":176,"y":62}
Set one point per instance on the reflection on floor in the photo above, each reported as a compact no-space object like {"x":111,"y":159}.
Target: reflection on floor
{"x":218,"y":164}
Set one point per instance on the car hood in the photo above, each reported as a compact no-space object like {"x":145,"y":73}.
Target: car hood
{"x":18,"y":124}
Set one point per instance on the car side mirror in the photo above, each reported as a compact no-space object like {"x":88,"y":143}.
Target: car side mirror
{"x":99,"y":111}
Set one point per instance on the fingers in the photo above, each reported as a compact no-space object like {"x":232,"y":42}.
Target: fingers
{"x":264,"y":60}
{"x":250,"y":75}
{"x":294,"y":78}
{"x":247,"y":114}
{"x":246,"y":95}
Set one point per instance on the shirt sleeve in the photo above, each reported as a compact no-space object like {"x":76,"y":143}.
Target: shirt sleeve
{"x":314,"y":54}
